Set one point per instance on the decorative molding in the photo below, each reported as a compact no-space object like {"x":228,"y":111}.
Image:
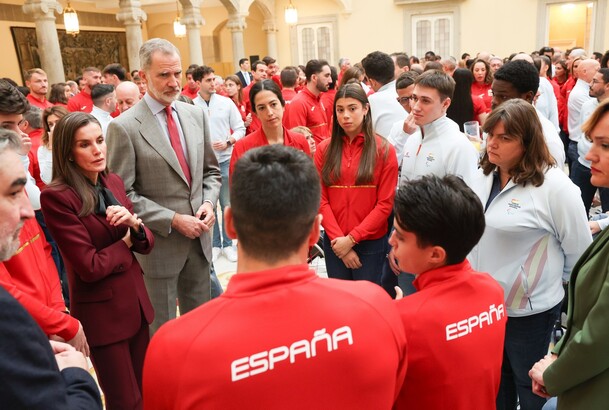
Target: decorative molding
{"x":14,"y":13}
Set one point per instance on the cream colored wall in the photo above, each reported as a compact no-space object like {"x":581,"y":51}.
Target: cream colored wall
{"x":511,"y":30}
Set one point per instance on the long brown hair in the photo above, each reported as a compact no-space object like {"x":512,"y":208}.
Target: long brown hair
{"x":520,"y":120}
{"x":65,"y":170}
{"x":330,"y":172}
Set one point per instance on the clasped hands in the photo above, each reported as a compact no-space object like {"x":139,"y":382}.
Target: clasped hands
{"x":193,"y":226}
{"x":119,"y":215}
{"x":343,"y":248}
{"x":536,"y":375}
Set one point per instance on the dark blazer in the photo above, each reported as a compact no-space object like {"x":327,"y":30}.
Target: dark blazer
{"x":29,"y":376}
{"x":242,"y":78}
{"x":107,"y":291}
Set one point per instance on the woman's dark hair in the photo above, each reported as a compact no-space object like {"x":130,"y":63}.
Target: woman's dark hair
{"x":520,"y":120}
{"x":461,"y":108}
{"x":268,"y":85}
{"x":57,"y":111}
{"x":565,"y":67}
{"x":58,"y":93}
{"x":605,"y":60}
{"x":65,"y":169}
{"x":488,"y":79}
{"x":330,"y":171}
{"x":351,"y":73}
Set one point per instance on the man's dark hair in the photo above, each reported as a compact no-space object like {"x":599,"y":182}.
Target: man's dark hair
{"x":438,"y":80}
{"x":101,"y":91}
{"x":379,"y":67}
{"x":191,"y":69}
{"x":334,"y":76}
{"x":78,"y":80}
{"x":521,"y":74}
{"x":256,"y":63}
{"x":34,"y":117}
{"x":10,"y":81}
{"x":275,"y":195}
{"x":405,"y":80}
{"x":116,"y":69}
{"x":202,"y":71}
{"x":288,"y":76}
{"x":430,"y":56}
{"x":597,"y":56}
{"x":401,"y":59}
{"x":314,"y":67}
{"x":268,"y":60}
{"x":242,"y":60}
{"x":441,"y":212}
{"x":433,"y":65}
{"x":11,"y":100}
{"x":605,"y":73}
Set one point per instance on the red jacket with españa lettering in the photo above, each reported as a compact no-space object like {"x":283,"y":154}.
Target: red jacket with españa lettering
{"x":455,"y":325}
{"x":308,"y":110}
{"x":280,"y":339}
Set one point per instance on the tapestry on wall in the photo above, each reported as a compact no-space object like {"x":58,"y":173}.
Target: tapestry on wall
{"x":88,"y":48}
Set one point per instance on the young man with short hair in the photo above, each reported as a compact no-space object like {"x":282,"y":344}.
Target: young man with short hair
{"x":104,"y":104}
{"x":455,"y":323}
{"x":385,"y":110}
{"x":439,"y":148}
{"x":191,"y":89}
{"x":114,"y":74}
{"x":296,"y":340}
{"x":244,"y":72}
{"x":226,"y":128}
{"x":38,"y":84}
{"x":306,"y":108}
{"x":82,"y":101}
{"x":259,"y":70}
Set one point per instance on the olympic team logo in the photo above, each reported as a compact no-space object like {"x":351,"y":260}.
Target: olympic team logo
{"x":429,"y":160}
{"x":513,"y":206}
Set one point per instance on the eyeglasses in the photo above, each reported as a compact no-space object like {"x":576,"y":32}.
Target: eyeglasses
{"x":404,"y":100}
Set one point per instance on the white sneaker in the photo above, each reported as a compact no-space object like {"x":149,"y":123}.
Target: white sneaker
{"x":230,"y":253}
{"x":215,"y":254}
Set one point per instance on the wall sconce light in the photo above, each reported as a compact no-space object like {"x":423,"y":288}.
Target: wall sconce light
{"x":179,"y":29}
{"x":70,"y":20}
{"x":291,"y":14}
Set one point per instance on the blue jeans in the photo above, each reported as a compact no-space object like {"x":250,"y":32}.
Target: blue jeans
{"x":216,"y":287}
{"x":224,"y":202}
{"x":371,"y":255}
{"x":526,"y":341}
{"x":551,"y":404}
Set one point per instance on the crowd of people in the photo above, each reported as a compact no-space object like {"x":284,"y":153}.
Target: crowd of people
{"x":120,"y":190}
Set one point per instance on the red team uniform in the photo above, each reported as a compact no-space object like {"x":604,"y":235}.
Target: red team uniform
{"x":280,"y":339}
{"x":455,"y":326}
{"x":306,"y":109}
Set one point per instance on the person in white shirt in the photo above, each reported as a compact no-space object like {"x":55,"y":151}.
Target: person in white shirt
{"x":384,"y":107}
{"x":226,"y":127}
{"x":579,"y":95}
{"x":580,"y":170}
{"x":536,"y":229}
{"x":104,"y":104}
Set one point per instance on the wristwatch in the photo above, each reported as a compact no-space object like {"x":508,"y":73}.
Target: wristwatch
{"x":229,"y":143}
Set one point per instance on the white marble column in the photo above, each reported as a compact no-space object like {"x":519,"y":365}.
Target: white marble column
{"x":270,"y":28}
{"x":236,"y":24}
{"x":43,"y":12}
{"x":192,"y":19}
{"x":132,"y":16}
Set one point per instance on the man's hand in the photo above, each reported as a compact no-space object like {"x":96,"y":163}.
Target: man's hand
{"x":351,"y":260}
{"x":26,"y":144}
{"x":206,"y":215}
{"x":409,"y":125}
{"x":393,"y":263}
{"x":219,"y":145}
{"x":594,"y":227}
{"x":79,"y":341}
{"x":341,"y":246}
{"x":71,"y":358}
{"x":188,"y":225}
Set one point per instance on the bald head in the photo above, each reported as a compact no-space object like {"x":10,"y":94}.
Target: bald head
{"x":127,"y":95}
{"x":523,"y":56}
{"x":587,"y":69}
{"x":484,"y":55}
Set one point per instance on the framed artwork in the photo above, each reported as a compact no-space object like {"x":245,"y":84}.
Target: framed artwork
{"x":88,"y":48}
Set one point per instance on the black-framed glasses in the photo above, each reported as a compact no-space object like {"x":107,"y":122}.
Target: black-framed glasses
{"x":404,"y":100}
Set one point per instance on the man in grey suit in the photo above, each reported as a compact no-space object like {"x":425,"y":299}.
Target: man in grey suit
{"x":161,"y":148}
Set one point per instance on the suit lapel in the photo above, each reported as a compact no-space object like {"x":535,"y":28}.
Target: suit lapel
{"x":151,"y":131}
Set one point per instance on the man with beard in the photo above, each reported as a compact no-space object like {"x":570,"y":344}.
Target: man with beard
{"x":306,"y":108}
{"x":161,"y":149}
{"x":36,"y":80}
